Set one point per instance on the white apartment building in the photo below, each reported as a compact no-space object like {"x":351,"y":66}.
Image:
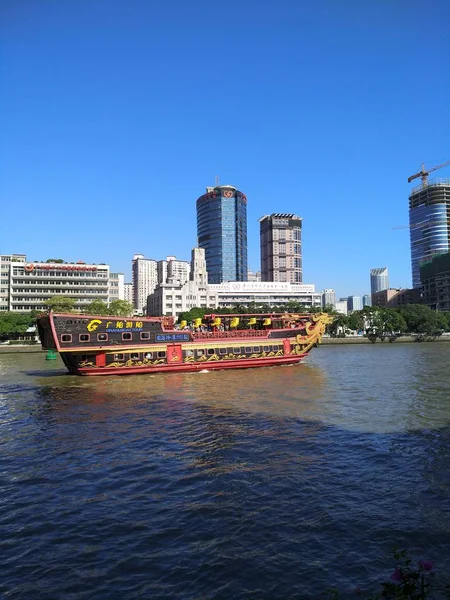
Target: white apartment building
{"x":173,"y":270}
{"x":172,"y":298}
{"x":145,"y":280}
{"x":128,"y":292}
{"x":341,"y":306}
{"x":328,"y":297}
{"x":252,"y":276}
{"x":116,"y":287}
{"x":25,"y":285}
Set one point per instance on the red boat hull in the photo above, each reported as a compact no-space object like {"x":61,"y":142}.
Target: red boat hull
{"x":193,"y":367}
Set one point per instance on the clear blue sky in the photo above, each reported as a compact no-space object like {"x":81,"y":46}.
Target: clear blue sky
{"x":117,"y":114}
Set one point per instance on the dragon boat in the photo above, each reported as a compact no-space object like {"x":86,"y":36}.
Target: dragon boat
{"x":98,"y":345}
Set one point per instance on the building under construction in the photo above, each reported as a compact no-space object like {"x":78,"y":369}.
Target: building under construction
{"x":435,"y":276}
{"x":429,"y":223}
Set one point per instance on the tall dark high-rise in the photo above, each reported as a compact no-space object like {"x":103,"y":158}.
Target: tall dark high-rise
{"x":281,"y":247}
{"x":222,"y":232}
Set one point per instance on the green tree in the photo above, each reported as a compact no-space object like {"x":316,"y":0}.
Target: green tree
{"x":194,"y":313}
{"x":356,"y":321}
{"x":97,"y":307}
{"x":339,"y":322}
{"x":13,"y":324}
{"x":60,"y":304}
{"x":330,"y":309}
{"x":422,"y":320}
{"x":392,"y":321}
{"x":55,"y":260}
{"x":120,"y":308}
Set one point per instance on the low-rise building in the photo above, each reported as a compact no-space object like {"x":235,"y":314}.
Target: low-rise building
{"x":435,"y":279}
{"x":234,"y":293}
{"x":27,"y":285}
{"x":341,"y":306}
{"x":396,"y":297}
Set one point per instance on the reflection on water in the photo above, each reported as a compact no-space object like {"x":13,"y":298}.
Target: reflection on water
{"x":275,"y":482}
{"x":369,"y":388}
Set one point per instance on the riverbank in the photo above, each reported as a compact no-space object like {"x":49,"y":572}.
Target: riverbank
{"x":364,"y":340}
{"x":11,"y":349}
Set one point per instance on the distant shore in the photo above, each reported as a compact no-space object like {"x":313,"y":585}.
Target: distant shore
{"x":326,"y":341}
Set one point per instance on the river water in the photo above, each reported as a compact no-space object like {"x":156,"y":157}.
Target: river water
{"x":267,"y":483}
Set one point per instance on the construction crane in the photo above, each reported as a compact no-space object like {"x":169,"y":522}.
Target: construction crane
{"x":424,"y":174}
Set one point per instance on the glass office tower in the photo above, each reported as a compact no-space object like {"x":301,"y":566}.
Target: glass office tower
{"x":222,"y":232}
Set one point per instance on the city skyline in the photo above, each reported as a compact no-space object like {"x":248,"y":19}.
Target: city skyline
{"x":80,"y":145}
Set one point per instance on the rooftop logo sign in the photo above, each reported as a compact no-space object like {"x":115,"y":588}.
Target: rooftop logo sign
{"x":29,"y":267}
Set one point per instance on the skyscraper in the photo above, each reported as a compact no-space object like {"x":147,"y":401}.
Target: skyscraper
{"x":281,"y":247}
{"x":429,"y":222}
{"x":379,"y":280}
{"x":222,"y":232}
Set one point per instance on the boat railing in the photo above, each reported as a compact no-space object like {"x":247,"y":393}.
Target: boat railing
{"x":201,"y":335}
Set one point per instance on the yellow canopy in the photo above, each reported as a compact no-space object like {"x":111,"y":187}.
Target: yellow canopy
{"x":252,"y":321}
{"x":267,"y":322}
{"x":197,"y":322}
{"x":217,"y":321}
{"x":183,"y":323}
{"x":234,"y":322}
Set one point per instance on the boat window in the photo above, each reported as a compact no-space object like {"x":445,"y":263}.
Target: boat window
{"x":256,"y":349}
{"x":236,"y":350}
{"x":145,"y":335}
{"x":162,"y":354}
{"x":66,"y":337}
{"x":222,"y":350}
{"x":118,"y":357}
{"x":84,"y":337}
{"x":102,"y":337}
{"x":148,"y":355}
{"x":275,"y":348}
{"x":211,"y":351}
{"x":248,"y":350}
{"x":200,"y":352}
{"x":265,"y":348}
{"x":189,"y":352}
{"x":134,"y":356}
{"x":126,"y":336}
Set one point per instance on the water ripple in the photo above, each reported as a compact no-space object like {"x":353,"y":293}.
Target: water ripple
{"x":274,"y":483}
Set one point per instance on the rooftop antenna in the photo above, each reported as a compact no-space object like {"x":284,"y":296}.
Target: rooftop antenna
{"x":217,"y":183}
